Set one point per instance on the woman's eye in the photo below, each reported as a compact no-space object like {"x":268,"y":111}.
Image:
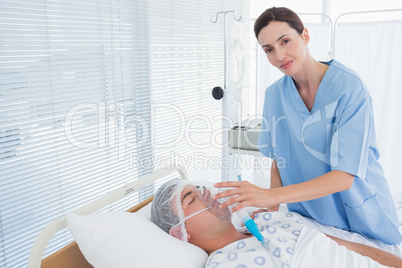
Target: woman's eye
{"x":268,"y":50}
{"x":192,"y":199}
{"x":285,"y":41}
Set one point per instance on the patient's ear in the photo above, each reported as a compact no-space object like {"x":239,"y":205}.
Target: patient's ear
{"x":175,"y":231}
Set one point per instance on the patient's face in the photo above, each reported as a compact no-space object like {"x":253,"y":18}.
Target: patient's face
{"x":204,"y":223}
{"x":190,"y":202}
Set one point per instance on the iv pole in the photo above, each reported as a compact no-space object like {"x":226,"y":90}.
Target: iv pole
{"x":219,"y":93}
{"x":224,"y":37}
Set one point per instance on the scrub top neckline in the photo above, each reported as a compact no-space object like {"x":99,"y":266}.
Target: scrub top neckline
{"x":318,"y":96}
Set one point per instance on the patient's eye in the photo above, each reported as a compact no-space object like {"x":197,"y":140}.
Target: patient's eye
{"x":188,"y":198}
{"x":192,"y":199}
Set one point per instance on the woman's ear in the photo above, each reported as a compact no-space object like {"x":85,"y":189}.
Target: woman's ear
{"x":176,"y":231}
{"x":306,"y":36}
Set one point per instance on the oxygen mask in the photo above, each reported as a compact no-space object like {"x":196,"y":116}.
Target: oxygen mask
{"x":205,"y":193}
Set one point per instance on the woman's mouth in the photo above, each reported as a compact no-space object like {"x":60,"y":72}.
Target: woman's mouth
{"x":286,"y":64}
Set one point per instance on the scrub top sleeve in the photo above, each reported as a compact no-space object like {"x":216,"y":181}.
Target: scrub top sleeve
{"x":351,"y":142}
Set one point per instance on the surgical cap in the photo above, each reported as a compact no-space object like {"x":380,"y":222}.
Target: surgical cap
{"x":166,"y":210}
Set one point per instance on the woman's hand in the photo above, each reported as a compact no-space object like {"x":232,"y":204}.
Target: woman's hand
{"x":245,"y":194}
{"x":249,"y":195}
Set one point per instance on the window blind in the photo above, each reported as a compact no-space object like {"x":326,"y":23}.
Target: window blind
{"x":74,"y":89}
{"x":97,"y":93}
{"x":187,"y":59}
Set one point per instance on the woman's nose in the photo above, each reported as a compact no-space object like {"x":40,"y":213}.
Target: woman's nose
{"x":280,"y":54}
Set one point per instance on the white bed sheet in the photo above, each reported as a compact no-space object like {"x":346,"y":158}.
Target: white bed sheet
{"x":345,"y":235}
{"x":312,"y":248}
{"x":312,"y":241}
{"x":315,"y":250}
{"x":326,"y":229}
{"x":353,"y":237}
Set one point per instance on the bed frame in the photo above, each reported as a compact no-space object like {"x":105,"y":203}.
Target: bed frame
{"x":70,"y":255}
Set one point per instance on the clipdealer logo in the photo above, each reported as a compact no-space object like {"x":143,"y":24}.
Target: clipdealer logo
{"x":110,"y":128}
{"x":328,"y":113}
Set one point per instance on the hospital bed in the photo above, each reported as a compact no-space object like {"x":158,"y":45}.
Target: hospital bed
{"x":71,"y":255}
{"x":128,"y":239}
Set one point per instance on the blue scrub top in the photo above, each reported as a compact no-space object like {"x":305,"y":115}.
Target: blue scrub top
{"x":337,"y":134}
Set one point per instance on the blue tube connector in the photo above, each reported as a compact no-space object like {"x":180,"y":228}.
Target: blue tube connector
{"x":253,"y":229}
{"x":250,"y":224}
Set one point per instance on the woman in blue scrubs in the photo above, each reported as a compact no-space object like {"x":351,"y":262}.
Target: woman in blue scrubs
{"x":318,"y":128}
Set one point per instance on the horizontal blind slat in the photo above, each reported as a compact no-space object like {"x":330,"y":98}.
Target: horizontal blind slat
{"x":56,"y":55}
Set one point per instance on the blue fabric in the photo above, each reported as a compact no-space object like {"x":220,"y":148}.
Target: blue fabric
{"x":337,"y":134}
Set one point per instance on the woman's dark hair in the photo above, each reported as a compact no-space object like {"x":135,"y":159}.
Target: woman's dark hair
{"x":282,"y":14}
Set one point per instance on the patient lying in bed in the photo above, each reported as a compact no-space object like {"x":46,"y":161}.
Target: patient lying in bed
{"x":179,"y":209}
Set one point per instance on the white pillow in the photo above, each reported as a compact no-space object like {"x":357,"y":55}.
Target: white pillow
{"x":145,"y":212}
{"x":123,"y":239}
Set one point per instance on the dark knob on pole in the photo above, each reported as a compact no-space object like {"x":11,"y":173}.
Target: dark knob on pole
{"x":217,"y":93}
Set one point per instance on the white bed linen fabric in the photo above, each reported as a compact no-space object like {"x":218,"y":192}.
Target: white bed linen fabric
{"x":315,"y":250}
{"x":326,"y":229}
{"x":312,"y":250}
{"x":123,"y":240}
{"x":331,"y":230}
{"x":353,"y":237}
{"x":281,"y":231}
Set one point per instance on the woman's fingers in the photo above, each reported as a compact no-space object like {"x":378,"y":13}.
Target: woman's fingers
{"x":245,"y":194}
{"x":226,"y":193}
{"x":233,"y":200}
{"x":237,"y":188}
{"x":237,"y":207}
{"x":230,"y":184}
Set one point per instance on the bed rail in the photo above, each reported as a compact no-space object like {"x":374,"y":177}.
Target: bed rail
{"x":60,"y":223}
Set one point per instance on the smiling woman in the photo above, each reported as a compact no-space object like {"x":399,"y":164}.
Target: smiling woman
{"x":326,"y":136}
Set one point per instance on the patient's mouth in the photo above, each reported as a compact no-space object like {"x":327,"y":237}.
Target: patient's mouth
{"x":215,"y":204}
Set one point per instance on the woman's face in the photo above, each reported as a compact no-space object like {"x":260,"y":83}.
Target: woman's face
{"x":285,"y":48}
